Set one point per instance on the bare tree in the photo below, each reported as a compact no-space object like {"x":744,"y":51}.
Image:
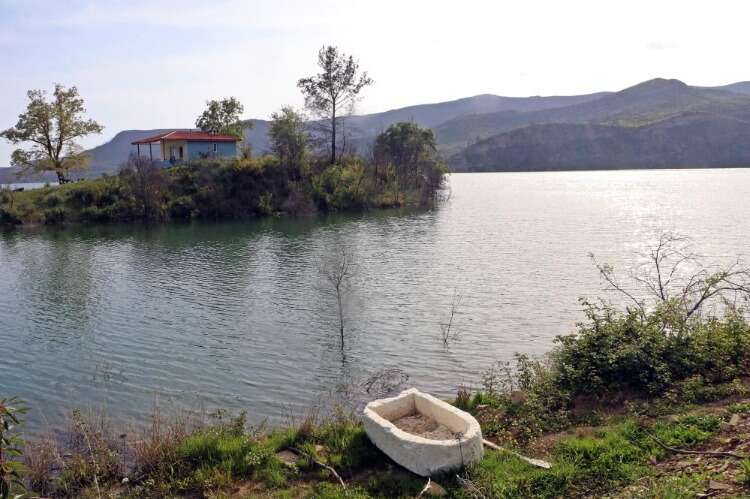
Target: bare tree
{"x":337,"y":272}
{"x":675,"y":278}
{"x":447,"y":328}
{"x":146,"y":181}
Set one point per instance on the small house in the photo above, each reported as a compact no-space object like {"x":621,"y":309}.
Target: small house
{"x":177,"y":146}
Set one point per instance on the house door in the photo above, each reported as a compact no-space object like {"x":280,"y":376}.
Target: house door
{"x":175,"y":152}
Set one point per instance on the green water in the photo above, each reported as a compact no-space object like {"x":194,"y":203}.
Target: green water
{"x":238,"y":316}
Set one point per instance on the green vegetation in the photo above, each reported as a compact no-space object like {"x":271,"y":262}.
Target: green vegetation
{"x":292,"y":183}
{"x":10,"y":446}
{"x":224,"y":458}
{"x":223,"y":117}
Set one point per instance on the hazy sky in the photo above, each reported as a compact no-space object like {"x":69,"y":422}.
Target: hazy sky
{"x":153,"y":63}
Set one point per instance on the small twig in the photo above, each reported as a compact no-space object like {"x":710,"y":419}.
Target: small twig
{"x":425,"y":488}
{"x":321,"y":464}
{"x":698,"y":452}
{"x":82,"y":426}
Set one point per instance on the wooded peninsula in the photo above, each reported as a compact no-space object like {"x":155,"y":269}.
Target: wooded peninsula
{"x":311,"y":169}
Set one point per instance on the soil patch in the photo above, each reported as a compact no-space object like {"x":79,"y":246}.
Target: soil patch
{"x":421,"y":425}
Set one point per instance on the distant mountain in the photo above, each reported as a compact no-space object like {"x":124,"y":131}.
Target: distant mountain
{"x":638,"y":105}
{"x":431,"y":115}
{"x":658,"y":123}
{"x":742,"y":87}
{"x":694,"y":139}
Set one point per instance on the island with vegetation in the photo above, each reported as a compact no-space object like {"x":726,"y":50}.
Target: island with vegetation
{"x":312,"y":167}
{"x":648,"y":397}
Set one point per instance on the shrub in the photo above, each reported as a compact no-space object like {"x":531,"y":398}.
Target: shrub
{"x":11,"y":471}
{"x":52,"y":200}
{"x":93,"y":214}
{"x":181,"y":208}
{"x":9,"y":216}
{"x":54,"y":216}
{"x":740,"y":408}
{"x":616,"y":352}
{"x":745,"y":472}
{"x":83,"y":194}
{"x":340,"y":187}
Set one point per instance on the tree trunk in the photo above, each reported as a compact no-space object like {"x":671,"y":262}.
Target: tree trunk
{"x":333,"y":135}
{"x":341,"y":317}
{"x":61,"y":178}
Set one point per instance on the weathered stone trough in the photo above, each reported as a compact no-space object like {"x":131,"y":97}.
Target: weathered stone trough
{"x":440,"y":437}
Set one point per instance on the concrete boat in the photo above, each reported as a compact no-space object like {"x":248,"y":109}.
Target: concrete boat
{"x":421,"y":455}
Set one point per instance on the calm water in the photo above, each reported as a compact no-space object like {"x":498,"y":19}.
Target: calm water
{"x":28,"y":185}
{"x":236,"y":315}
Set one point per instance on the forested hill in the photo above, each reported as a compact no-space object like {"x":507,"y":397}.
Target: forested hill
{"x":655,"y":124}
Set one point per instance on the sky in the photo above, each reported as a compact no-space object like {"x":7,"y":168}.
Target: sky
{"x":142,"y":64}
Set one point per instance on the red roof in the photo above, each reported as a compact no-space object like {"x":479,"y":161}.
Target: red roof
{"x":189,"y":137}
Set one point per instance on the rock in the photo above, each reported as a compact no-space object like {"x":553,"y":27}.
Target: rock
{"x":319,"y":449}
{"x":287,"y":457}
{"x":435,"y":490}
{"x":125,"y":481}
{"x":734,"y":420}
{"x":714,"y":485}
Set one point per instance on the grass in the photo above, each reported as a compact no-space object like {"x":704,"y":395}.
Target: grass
{"x":226,"y":459}
{"x":611,"y":457}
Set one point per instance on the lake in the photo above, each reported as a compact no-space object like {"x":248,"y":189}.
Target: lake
{"x":237,"y":315}
{"x":27,"y":185}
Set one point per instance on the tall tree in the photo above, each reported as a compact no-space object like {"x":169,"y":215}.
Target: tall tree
{"x":333,"y":90}
{"x":289,"y":140}
{"x":52,"y":128}
{"x":223,"y":116}
{"x":408,"y":147}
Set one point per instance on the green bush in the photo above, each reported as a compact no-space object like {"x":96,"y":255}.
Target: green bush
{"x":9,"y":216}
{"x":93,"y":214}
{"x":54,"y":216}
{"x":83,"y":195}
{"x":340,"y":187}
{"x":621,"y":352}
{"x":53,"y":200}
{"x":181,"y":208}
